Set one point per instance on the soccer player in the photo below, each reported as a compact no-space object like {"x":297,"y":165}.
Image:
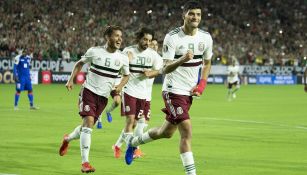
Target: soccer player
{"x":23,"y":78}
{"x":185,"y":49}
{"x":305,"y":79}
{"x":134,"y":97}
{"x":154,"y":45}
{"x":233,"y":71}
{"x":105,"y":65}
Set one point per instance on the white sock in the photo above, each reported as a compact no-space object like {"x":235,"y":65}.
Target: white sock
{"x":127,"y":136}
{"x":85,"y":143}
{"x":99,"y":119}
{"x":75,"y":134}
{"x":139,"y":140}
{"x":111,"y":108}
{"x":188,"y":163}
{"x":139,"y":129}
{"x":120,"y":139}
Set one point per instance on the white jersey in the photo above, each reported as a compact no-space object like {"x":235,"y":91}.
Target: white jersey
{"x":145,"y":60}
{"x":150,"y":82}
{"x":177,"y":43}
{"x":233,"y":73}
{"x":104,"y":69}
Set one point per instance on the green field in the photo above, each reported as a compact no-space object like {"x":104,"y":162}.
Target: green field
{"x":262,"y":132}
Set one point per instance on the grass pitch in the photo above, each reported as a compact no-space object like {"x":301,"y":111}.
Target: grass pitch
{"x":262,"y":132}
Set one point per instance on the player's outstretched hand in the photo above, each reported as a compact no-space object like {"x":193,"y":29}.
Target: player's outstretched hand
{"x":305,"y":88}
{"x":69,"y":85}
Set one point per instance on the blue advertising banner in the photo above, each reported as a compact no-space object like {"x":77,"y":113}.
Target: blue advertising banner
{"x":276,"y":80}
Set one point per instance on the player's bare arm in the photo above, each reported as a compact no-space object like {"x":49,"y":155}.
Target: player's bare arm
{"x":170,"y":66}
{"x":151,"y":73}
{"x":198,"y":89}
{"x":77,"y":68}
{"x":122,"y":83}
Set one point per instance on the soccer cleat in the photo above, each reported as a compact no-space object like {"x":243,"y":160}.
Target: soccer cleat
{"x":234,"y":96}
{"x":34,"y":107}
{"x":129,"y":154}
{"x":109,"y":117}
{"x":137,"y":153}
{"x":99,"y":125}
{"x":64,"y":146}
{"x":117,"y":151}
{"x":87,"y":168}
{"x":16,"y":108}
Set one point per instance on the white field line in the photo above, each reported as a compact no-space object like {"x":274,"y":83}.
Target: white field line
{"x":256,"y":122}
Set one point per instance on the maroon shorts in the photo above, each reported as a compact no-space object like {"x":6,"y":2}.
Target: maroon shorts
{"x":132,"y":106}
{"x":114,"y":93}
{"x":91,"y":104}
{"x":176,"y":107}
{"x":147,"y":110}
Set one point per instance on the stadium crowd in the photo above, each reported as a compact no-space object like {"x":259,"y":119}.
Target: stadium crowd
{"x":255,"y":32}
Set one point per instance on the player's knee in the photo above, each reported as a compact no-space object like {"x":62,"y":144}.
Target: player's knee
{"x":18,"y":91}
{"x":167,"y":134}
{"x":117,"y":103}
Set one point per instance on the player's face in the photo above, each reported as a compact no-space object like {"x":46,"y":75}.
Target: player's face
{"x":154,"y":45}
{"x":192,"y":18}
{"x":145,"y":41}
{"x":115,"y":40}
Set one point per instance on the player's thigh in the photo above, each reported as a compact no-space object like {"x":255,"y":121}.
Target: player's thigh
{"x":168,"y":129}
{"x":185,"y":129}
{"x":28,"y":85}
{"x":176,"y":107}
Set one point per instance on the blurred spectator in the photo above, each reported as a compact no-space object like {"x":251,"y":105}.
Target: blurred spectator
{"x":254,"y":31}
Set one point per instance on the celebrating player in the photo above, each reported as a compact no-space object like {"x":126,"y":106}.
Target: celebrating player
{"x":22,"y":78}
{"x":184,"y":50}
{"x":105,"y":65}
{"x":134,"y":97}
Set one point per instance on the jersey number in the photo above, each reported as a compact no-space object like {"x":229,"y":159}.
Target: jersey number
{"x":140,"y":61}
{"x":107,"y":62}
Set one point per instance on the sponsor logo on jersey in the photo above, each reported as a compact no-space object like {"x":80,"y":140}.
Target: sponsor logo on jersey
{"x":87,"y":108}
{"x":179,"y":110}
{"x":127,"y":109}
{"x":201,"y":46}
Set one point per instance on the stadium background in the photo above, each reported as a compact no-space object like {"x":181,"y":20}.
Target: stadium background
{"x":263,"y":131}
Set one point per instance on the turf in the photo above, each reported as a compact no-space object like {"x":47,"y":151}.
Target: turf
{"x":261,"y":132}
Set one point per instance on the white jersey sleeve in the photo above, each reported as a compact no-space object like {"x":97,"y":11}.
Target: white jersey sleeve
{"x":88,"y":56}
{"x":208,"y":50}
{"x":168,"y":50}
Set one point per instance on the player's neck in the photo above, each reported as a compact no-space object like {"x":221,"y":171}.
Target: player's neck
{"x":111,"y":50}
{"x":189,"y":30}
{"x":139,"y":48}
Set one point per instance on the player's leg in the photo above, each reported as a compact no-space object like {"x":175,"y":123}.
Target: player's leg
{"x":91,"y":108}
{"x":229,"y":91}
{"x":19,"y":87}
{"x":75,"y":134}
{"x":186,"y":154}
{"x":116,"y":102}
{"x":237,"y":87}
{"x":165,"y":131}
{"x":28,"y":86}
{"x":85,"y":143}
{"x":128,"y":109}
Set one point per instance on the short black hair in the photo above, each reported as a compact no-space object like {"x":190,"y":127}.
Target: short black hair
{"x":144,"y":30}
{"x":109,"y":30}
{"x":191,"y":5}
